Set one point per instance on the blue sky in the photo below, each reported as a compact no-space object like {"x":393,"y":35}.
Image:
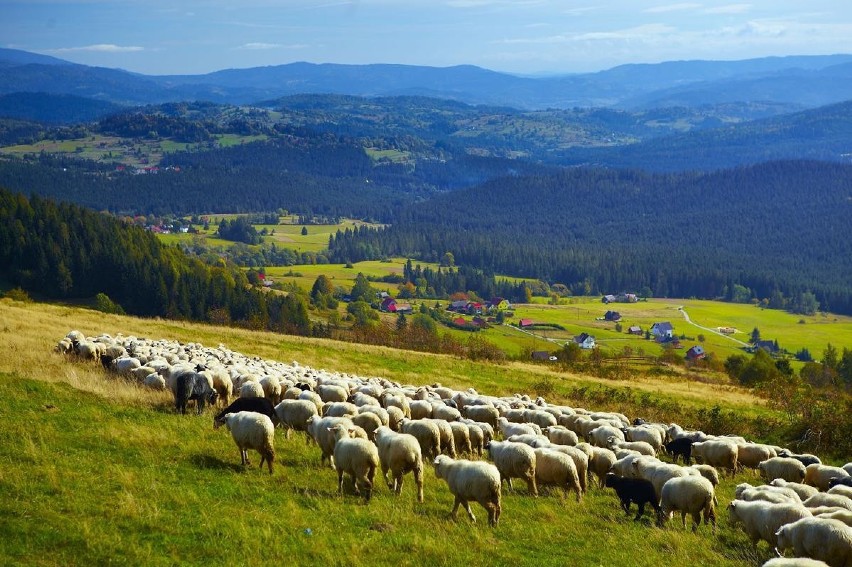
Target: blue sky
{"x":516,"y":36}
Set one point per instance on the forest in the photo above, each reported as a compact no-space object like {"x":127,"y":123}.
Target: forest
{"x":666,"y":235}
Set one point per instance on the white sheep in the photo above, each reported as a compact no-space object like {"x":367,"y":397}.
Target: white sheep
{"x":844,"y":516}
{"x":251,"y":389}
{"x":448,"y":440}
{"x":514,"y":460}
{"x":339,"y":409}
{"x":600,"y":436}
{"x":509,"y":428}
{"x":708,"y":472}
{"x":332,"y":393}
{"x":648,"y":433}
{"x":271,"y":389}
{"x":841,"y":489}
{"x":690,"y":495}
{"x":400,"y":453}
{"x":426,"y":433}
{"x":767,"y":493}
{"x":785,"y":468}
{"x":251,"y":430}
{"x":750,"y":455}
{"x":420,"y":409}
{"x":317,"y":428}
{"x":760,"y":520}
{"x":819,"y":475}
{"x":295,"y":414}
{"x":561,"y":435}
{"x":600,"y":462}
{"x":485,"y":413}
{"x":659,"y":473}
{"x":557,"y":468}
{"x":818,"y":538}
{"x":716,"y":453}
{"x":471,"y":480}
{"x":395,"y":417}
{"x":795,"y":562}
{"x":803,"y":490}
{"x":825,"y":499}
{"x":641,"y":447}
{"x":358,"y":458}
{"x":441,"y":410}
{"x":155,"y":381}
{"x":461,"y":437}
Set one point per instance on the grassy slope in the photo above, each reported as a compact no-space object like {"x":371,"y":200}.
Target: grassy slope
{"x":99,"y":470}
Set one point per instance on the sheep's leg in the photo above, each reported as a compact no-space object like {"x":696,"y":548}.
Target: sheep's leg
{"x":418,"y":479}
{"x":469,"y":511}
{"x":454,"y":512}
{"x":531,"y":486}
{"x":398,"y":483}
{"x":683,"y":518}
{"x":696,"y":521}
{"x":509,"y":480}
{"x":640,"y":512}
{"x":340,"y":481}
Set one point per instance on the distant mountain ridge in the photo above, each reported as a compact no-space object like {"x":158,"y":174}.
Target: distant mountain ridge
{"x":626,"y":85}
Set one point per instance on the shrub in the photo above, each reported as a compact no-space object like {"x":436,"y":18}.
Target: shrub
{"x":18,"y":294}
{"x":106,"y":305}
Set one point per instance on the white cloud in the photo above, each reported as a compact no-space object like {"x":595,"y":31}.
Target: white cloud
{"x":729,"y":9}
{"x":258,"y":46}
{"x":672,"y":8}
{"x":101,"y":48}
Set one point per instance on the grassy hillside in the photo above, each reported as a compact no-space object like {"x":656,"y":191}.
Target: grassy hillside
{"x":100,"y":471}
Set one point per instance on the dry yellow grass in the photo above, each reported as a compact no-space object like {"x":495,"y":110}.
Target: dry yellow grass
{"x":30,"y":332}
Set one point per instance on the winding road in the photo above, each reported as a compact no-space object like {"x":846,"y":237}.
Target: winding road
{"x":708,"y":329}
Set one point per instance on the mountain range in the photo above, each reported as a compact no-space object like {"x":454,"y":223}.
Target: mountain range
{"x":797,"y":81}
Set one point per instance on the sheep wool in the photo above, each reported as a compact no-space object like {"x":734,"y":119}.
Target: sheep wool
{"x":399,"y":453}
{"x":471,"y":480}
{"x":690,"y":495}
{"x":251,"y":430}
{"x":358,"y":458}
{"x":760,"y":520}
{"x":818,"y":538}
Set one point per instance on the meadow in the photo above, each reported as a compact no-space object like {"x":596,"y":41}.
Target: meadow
{"x":96,"y":470}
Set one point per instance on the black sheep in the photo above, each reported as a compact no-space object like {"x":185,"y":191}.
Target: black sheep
{"x":257,"y":405}
{"x":840,"y":481}
{"x":804,"y":459}
{"x":193,"y":386}
{"x":680,"y":447}
{"x":631,"y":490}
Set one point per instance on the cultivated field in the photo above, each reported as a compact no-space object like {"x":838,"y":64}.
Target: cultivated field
{"x":96,"y":470}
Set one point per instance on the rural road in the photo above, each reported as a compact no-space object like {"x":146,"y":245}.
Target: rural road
{"x":709,"y":330}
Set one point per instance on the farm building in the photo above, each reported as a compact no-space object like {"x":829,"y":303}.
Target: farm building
{"x":585,"y":340}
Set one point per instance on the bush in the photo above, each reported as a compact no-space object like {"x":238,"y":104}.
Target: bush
{"x":18,"y":294}
{"x":106,"y":305}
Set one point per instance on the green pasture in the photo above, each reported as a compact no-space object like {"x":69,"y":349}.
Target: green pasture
{"x":340,"y":275}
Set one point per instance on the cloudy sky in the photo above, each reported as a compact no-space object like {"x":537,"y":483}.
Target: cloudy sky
{"x":517,"y":36}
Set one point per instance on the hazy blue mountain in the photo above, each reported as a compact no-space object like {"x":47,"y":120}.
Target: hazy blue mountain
{"x":771,"y":79}
{"x":54,"y":108}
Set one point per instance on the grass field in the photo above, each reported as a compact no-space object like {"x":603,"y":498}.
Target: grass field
{"x":95,"y":470}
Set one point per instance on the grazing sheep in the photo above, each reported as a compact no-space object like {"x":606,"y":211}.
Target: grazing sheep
{"x":784,"y":468}
{"x":318,"y":429}
{"x":312,"y":397}
{"x":581,"y":462}
{"x":640,"y":447}
{"x":476,"y":436}
{"x":841,"y":489}
{"x":369,"y":422}
{"x":358,"y":458}
{"x":825,"y":499}
{"x":631,"y":490}
{"x":600,"y":436}
{"x":760,"y":520}
{"x":708,"y":472}
{"x":395,"y":417}
{"x":624,"y":465}
{"x":332,"y":393}
{"x":448,"y":441}
{"x":600,"y":463}
{"x":251,"y":430}
{"x":223,"y":385}
{"x":485,"y":414}
{"x":690,"y":495}
{"x":719,"y":454}
{"x":750,"y":455}
{"x":426,"y":433}
{"x":557,"y":468}
{"x":560,"y":435}
{"x":271,"y":389}
{"x":766,"y":493}
{"x":659,"y":473}
{"x":647,"y":433}
{"x":806,"y":459}
{"x":471,"y":480}
{"x":294,"y":415}
{"x":441,"y":410}
{"x":514,"y":460}
{"x":155,"y":382}
{"x":508,"y":428}
{"x":193,"y":386}
{"x":461,"y":437}
{"x":399,"y":453}
{"x":257,"y":405}
{"x":844,"y":516}
{"x":795,"y":562}
{"x":389,"y":400}
{"x":818,"y":538}
{"x":339,"y":409}
{"x":803,"y":490}
{"x":251,"y":389}
{"x":420,"y":409}
{"x":681,"y":447}
{"x":820,"y":475}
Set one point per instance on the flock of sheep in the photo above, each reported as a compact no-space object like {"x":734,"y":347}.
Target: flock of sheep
{"x":362,"y":424}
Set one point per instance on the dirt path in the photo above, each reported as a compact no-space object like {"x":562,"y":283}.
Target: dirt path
{"x":708,"y":329}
